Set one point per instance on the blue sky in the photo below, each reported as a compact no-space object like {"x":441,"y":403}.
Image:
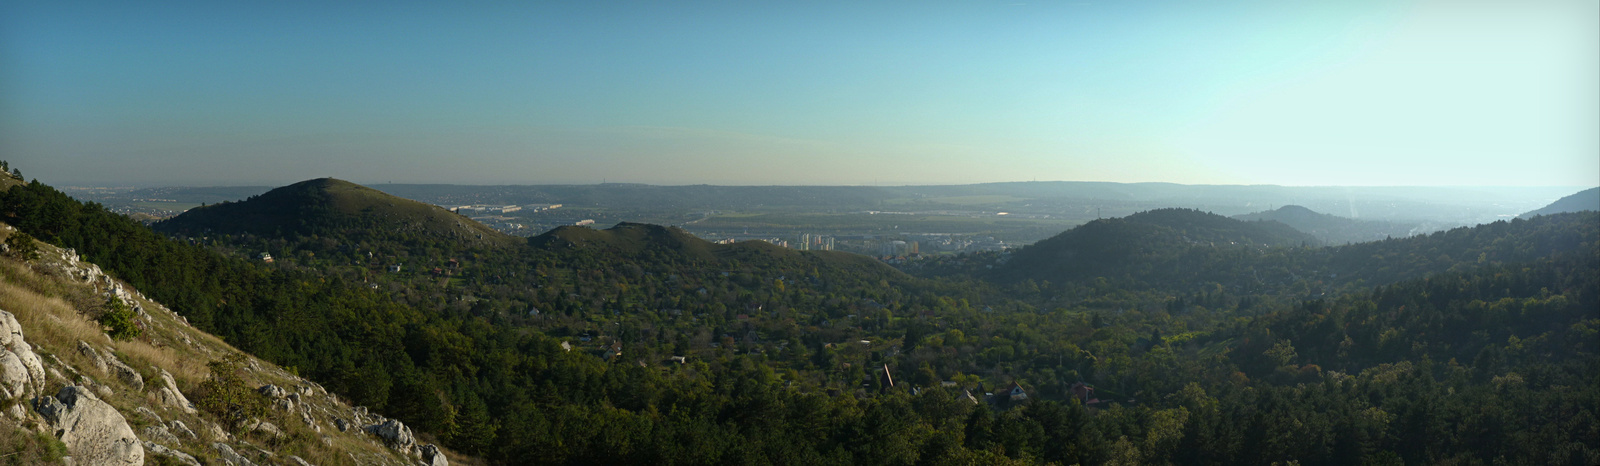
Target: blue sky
{"x":1295,"y":93}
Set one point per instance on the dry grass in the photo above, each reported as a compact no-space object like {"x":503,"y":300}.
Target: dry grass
{"x":47,"y":321}
{"x":53,"y":312}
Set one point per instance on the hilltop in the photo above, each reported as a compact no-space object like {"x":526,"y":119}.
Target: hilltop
{"x":337,"y":209}
{"x":1329,"y":228}
{"x":1588,"y":199}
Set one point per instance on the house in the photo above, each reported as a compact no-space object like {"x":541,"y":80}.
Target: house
{"x":680,"y":359}
{"x":566,"y":346}
{"x":1017,"y":393}
{"x":1082,"y":391}
{"x":266,"y":258}
{"x":394,"y":268}
{"x":615,"y":351}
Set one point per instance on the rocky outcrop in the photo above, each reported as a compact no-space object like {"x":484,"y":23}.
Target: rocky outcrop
{"x":167,"y":393}
{"x":231,"y":457}
{"x":93,"y":356}
{"x":395,"y":434}
{"x":433,"y":457}
{"x":21,"y":372}
{"x":93,"y":431}
{"x":155,"y":449}
{"x":123,"y":372}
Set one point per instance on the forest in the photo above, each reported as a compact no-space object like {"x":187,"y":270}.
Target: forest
{"x":1140,"y":340}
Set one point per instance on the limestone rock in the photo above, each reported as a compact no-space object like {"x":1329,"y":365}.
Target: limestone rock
{"x":93,"y":431}
{"x":296,"y":461}
{"x":229,"y":456}
{"x":10,"y":330}
{"x":215,"y":431}
{"x":395,"y":434}
{"x":433,"y":457}
{"x":21,"y":370}
{"x":181,"y":430}
{"x":147,"y":413}
{"x":156,"y":449}
{"x":93,"y":357}
{"x":123,"y":372}
{"x":269,"y":429}
{"x":273,"y":391}
{"x":13,"y":375}
{"x":167,"y":393}
{"x":159,"y":433}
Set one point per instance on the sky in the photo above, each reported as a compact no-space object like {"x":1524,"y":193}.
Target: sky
{"x":1318,"y":93}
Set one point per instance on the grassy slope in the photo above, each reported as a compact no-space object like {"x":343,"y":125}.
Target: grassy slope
{"x":54,"y":309}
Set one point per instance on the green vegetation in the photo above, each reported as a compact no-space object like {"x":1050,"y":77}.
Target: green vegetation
{"x":225,"y":394}
{"x":1477,"y":345}
{"x":22,"y":246}
{"x":118,"y":320}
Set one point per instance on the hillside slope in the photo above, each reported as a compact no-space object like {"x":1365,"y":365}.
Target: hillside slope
{"x":170,"y":395}
{"x":328,"y":207}
{"x":1588,"y":199}
{"x":1331,"y":229}
{"x":670,"y":245}
{"x":1144,"y":245}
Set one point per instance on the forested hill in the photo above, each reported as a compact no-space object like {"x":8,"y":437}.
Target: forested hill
{"x":1134,"y":255}
{"x":1144,"y":245}
{"x":1331,"y":229}
{"x":663,"y":246}
{"x":332,"y":208}
{"x":1588,"y":199}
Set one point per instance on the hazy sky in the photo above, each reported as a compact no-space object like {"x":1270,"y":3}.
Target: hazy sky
{"x":854,"y":92}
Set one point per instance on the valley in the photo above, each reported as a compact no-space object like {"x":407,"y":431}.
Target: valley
{"x":1167,"y":335}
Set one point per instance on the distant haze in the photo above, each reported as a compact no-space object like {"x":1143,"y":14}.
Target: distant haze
{"x":1360,"y":93}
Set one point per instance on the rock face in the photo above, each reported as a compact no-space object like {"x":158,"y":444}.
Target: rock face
{"x":229,"y":456}
{"x":156,"y":449}
{"x":123,"y":372}
{"x":93,"y":356}
{"x":395,"y":434}
{"x":167,"y":393}
{"x":94,"y":432}
{"x":433,"y":457}
{"x":21,"y":371}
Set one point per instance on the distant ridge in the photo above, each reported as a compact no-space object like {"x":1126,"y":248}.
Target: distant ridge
{"x":1588,"y":199}
{"x":1126,"y":245}
{"x":661,"y":244}
{"x":334,"y":208}
{"x":1329,"y":228}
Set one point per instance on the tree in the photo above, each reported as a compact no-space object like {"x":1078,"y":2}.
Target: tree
{"x":21,"y":246}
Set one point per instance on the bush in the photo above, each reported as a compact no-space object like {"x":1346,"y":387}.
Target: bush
{"x":118,"y":319}
{"x":21,"y":246}
{"x":226,"y":395}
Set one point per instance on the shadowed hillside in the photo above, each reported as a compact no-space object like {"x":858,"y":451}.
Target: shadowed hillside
{"x":1588,"y":199}
{"x":1331,"y":229}
{"x":1144,"y":244}
{"x":672,"y":245}
{"x":329,"y":207}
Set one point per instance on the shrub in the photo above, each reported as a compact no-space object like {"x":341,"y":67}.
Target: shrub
{"x":225,"y":394}
{"x":21,"y":246}
{"x":118,"y":320}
